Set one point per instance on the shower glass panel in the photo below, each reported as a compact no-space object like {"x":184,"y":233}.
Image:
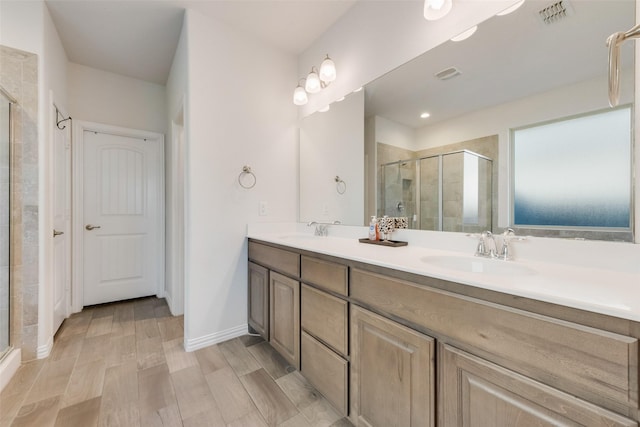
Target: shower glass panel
{"x":5,"y":192}
{"x":466,"y":192}
{"x":399,"y":190}
{"x":455,"y":192}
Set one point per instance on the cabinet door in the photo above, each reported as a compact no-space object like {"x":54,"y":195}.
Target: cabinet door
{"x":392,"y":373}
{"x":259,"y":299}
{"x":284,"y":327}
{"x":474,"y":392}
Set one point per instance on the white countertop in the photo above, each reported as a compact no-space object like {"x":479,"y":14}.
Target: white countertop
{"x":614,"y":292}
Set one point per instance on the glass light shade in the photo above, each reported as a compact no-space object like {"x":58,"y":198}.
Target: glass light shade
{"x":313,"y":83}
{"x":465,"y":34}
{"x":436,"y":9}
{"x":300,"y":96}
{"x":327,"y":70}
{"x":511,"y":9}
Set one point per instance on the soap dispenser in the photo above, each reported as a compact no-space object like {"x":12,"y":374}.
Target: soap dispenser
{"x":373,"y":228}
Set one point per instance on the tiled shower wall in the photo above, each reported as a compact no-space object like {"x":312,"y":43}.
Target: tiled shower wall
{"x":19,"y":76}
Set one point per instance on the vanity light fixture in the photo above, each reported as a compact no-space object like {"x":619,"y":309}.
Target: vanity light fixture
{"x":425,"y":115}
{"x":465,"y":34}
{"x":327,"y":70}
{"x":436,"y":9}
{"x":315,"y":81}
{"x":313,"y":84}
{"x":511,"y":8}
{"x":300,"y":95}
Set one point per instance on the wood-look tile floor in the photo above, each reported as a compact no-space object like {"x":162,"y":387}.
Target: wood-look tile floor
{"x":124,"y":364}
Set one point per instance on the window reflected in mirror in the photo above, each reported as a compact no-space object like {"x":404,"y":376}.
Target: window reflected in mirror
{"x":574,"y":173}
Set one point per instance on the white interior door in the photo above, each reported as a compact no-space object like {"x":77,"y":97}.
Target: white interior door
{"x":61,"y":190}
{"x":122,"y":245}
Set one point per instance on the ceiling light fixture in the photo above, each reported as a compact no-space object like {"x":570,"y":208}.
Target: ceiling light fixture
{"x":315,"y":81}
{"x":511,"y":8}
{"x":465,"y":34}
{"x":436,"y":9}
{"x":425,"y":115}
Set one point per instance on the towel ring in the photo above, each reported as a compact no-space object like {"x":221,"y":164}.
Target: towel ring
{"x":341,"y":186}
{"x":246,"y":170}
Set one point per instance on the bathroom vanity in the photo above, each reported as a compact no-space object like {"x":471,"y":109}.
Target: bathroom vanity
{"x":389,"y":343}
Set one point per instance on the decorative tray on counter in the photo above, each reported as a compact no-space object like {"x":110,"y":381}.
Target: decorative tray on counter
{"x":390,"y":243}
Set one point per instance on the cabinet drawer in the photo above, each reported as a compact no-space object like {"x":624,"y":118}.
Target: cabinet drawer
{"x":325,"y":317}
{"x":325,"y":370}
{"x":596,"y":365}
{"x":277,"y":259}
{"x":325,"y":274}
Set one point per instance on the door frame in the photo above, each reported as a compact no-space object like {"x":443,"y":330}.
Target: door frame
{"x":77,"y":265}
{"x":54,"y":107}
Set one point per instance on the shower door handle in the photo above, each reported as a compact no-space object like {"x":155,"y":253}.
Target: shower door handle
{"x":57,"y":233}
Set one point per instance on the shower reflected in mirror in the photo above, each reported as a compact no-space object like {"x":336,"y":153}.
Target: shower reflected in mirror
{"x":5,"y":214}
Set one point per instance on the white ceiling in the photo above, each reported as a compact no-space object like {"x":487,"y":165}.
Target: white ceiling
{"x":138,"y":38}
{"x":508,"y":58}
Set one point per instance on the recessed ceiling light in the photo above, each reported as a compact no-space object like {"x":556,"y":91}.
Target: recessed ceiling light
{"x":324,"y":109}
{"x":511,"y":8}
{"x":425,"y":115}
{"x":340,"y":99}
{"x":358,"y":90}
{"x":465,"y":34}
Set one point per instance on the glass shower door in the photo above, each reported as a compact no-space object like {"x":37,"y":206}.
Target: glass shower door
{"x":5,"y":212}
{"x":399,"y":191}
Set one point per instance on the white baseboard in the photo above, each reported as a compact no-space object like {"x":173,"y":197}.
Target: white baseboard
{"x":172,"y":308}
{"x":44,"y":350}
{"x":215,"y":338}
{"x":8,"y":367}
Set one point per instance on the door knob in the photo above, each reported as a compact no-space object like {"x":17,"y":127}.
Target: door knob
{"x":57,"y":233}
{"x":91,"y":227}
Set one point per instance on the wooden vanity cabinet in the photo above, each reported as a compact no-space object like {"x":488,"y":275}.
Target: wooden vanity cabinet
{"x":258,"y":300}
{"x":359,"y":335}
{"x":392,"y":373}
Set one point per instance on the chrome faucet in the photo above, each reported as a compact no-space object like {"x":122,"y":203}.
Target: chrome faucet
{"x":488,"y":248}
{"x":505,"y":250}
{"x":487,"y":245}
{"x":322,"y":228}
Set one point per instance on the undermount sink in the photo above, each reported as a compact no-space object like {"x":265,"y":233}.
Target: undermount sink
{"x":298,"y":237}
{"x":477,"y":265}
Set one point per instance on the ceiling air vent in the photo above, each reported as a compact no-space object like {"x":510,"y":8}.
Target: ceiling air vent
{"x":447,"y":73}
{"x":555,"y":12}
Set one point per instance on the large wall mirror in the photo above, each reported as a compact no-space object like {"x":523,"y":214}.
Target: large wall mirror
{"x":453,"y":170}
